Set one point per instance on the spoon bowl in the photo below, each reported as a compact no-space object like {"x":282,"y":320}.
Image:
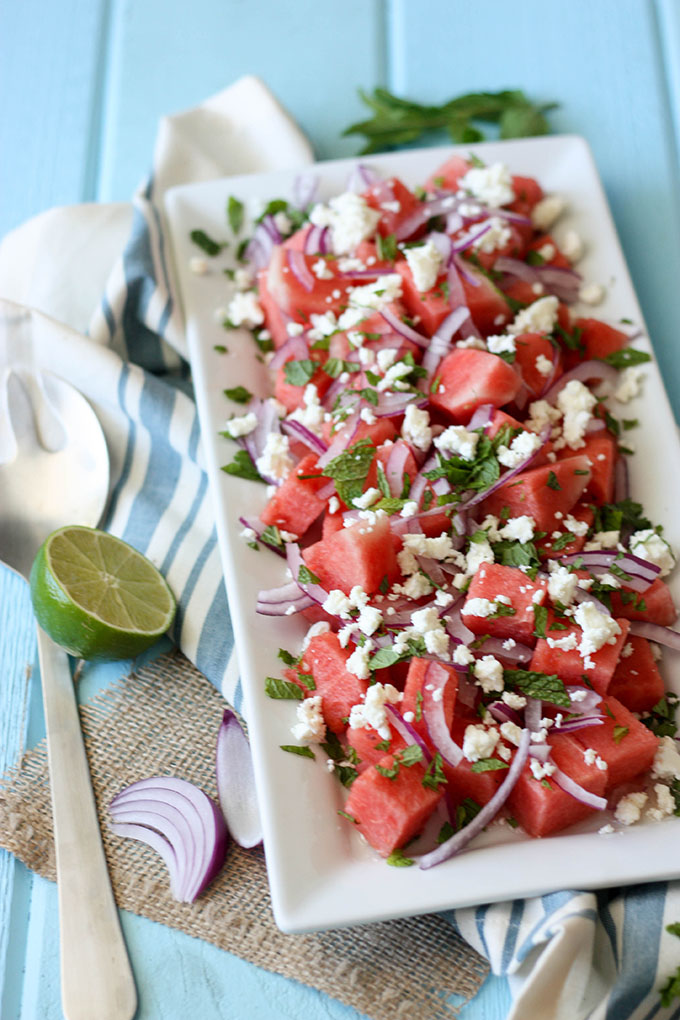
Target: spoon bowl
{"x":54,"y":471}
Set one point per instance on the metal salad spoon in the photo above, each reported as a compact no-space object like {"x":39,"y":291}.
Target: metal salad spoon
{"x":54,"y":470}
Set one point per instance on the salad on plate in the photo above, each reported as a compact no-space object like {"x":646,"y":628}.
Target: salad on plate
{"x":445,"y":455}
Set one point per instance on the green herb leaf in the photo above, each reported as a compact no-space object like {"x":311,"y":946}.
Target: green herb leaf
{"x":282,"y":690}
{"x":239,"y":394}
{"x":540,"y":620}
{"x":334,"y":750}
{"x":543,"y":686}
{"x":286,"y":657}
{"x":397,"y":121}
{"x":398,"y":859}
{"x":243,"y":467}
{"x":206,"y":243}
{"x":350,"y":818}
{"x":306,"y":576}
{"x":386,"y":247}
{"x":350,"y":469}
{"x":626,"y":357}
{"x":465,"y":812}
{"x":298,"y":373}
{"x":303,"y":752}
{"x":235,"y":213}
{"x":661,"y":719}
{"x":552,"y":482}
{"x":618,"y":733}
{"x":488,"y":765}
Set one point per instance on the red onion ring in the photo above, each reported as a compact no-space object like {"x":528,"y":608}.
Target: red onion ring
{"x":578,"y":792}
{"x":400,"y":327}
{"x":655,"y":632}
{"x":294,"y":349}
{"x":436,"y":677}
{"x":460,"y":840}
{"x":298,"y":266}
{"x":394,"y":469}
{"x":299,"y":431}
{"x":407,"y":732}
{"x":341,"y":442}
{"x":587,"y":371}
{"x":236,"y":782}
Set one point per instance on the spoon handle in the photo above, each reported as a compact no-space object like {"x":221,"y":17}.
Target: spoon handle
{"x":96,"y":977}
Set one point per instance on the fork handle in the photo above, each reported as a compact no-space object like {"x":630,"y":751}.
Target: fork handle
{"x":96,"y":977}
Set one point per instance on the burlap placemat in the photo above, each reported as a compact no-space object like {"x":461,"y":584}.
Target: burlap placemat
{"x":164,"y":720}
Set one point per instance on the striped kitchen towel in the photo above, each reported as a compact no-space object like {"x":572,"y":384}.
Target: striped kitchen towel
{"x":571,"y":955}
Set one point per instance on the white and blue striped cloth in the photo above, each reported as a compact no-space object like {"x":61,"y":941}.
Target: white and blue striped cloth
{"x":568,"y":956}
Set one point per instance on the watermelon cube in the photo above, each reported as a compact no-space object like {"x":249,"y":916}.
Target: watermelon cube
{"x":326,"y":660}
{"x":295,"y":506}
{"x":362,"y":555}
{"x":370,"y":746}
{"x":637,"y":683}
{"x":622,"y":741}
{"x":542,"y":492}
{"x":390,"y":812}
{"x":469,"y":378}
{"x":493,"y":579}
{"x":655,"y":605}
{"x":568,"y":662}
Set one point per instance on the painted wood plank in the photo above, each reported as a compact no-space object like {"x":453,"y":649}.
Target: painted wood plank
{"x":50,"y":83}
{"x":603,"y":63}
{"x":313,"y":56}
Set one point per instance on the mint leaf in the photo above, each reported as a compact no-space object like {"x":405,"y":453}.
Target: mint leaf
{"x":626,"y":357}
{"x":243,"y":467}
{"x":282,"y":690}
{"x":206,"y":243}
{"x":298,"y":373}
{"x":543,"y":686}
{"x":398,"y":859}
{"x":303,"y":752}
{"x":239,"y":394}
{"x":235,"y":213}
{"x":350,"y":469}
{"x":488,"y":765}
{"x":306,"y":576}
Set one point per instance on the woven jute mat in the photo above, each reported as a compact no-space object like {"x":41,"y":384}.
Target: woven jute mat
{"x":163,"y":720}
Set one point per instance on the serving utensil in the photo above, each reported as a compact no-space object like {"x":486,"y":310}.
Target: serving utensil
{"x":54,"y":470}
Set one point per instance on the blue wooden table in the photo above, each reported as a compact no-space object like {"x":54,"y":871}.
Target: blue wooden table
{"x":82,"y":85}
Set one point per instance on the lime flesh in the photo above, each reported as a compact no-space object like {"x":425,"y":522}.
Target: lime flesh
{"x":97,"y":596}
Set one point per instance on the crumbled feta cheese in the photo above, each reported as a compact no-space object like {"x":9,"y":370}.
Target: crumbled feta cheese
{"x":667,"y":760}
{"x":369,"y":620}
{"x":311,"y":413}
{"x":629,"y":384}
{"x":426,"y":622}
{"x":479,"y":742}
{"x":457,"y":441}
{"x":386,"y":357}
{"x":337,"y":604}
{"x":496,"y":234}
{"x":511,"y":732}
{"x":503,"y":344}
{"x":425,"y":263}
{"x":538,"y":317}
{"x":512,"y":700}
{"x":576,"y":402}
{"x":489,"y":672}
{"x":275,"y":460}
{"x":520,"y":449}
{"x":393,"y":378}
{"x":519,"y":529}
{"x":444,"y":598}
{"x":350,"y":219}
{"x":409,"y":509}
{"x":564,"y":643}
{"x":629,"y":808}
{"x":244,"y":310}
{"x":310,"y":725}
{"x":478,"y":553}
{"x":562,"y":584}
{"x":377,"y":294}
{"x":665,"y":803}
{"x":490,"y":525}
{"x":414,"y":587}
{"x":358,"y":662}
{"x":541,"y":413}
{"x":579,"y":528}
{"x":462,"y":656}
{"x":241,"y":425}
{"x":598,"y":628}
{"x":321,"y":627}
{"x":479,"y":607}
{"x":571,"y":245}
{"x":650,"y":546}
{"x":372,"y":711}
{"x":591,"y":293}
{"x":367,"y":416}
{"x":605,"y":830}
{"x":540,"y":769}
{"x":367,"y":498}
{"x":199,"y":266}
{"x":544,"y":366}
{"x":491,"y":185}
{"x":547,"y":211}
{"x":416,"y":427}
{"x":322,"y":270}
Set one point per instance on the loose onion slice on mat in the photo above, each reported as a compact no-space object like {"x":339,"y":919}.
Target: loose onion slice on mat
{"x":236,"y":782}
{"x":181,"y":823}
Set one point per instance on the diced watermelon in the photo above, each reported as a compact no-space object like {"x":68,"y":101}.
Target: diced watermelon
{"x":429,"y":309}
{"x":553,"y":548}
{"x":469,"y":378}
{"x":362,"y":555}
{"x":602,"y":450}
{"x":493,"y":579}
{"x":389,"y":812}
{"x":378,"y":433}
{"x":529,"y":347}
{"x":387,"y":192}
{"x":622,"y":741}
{"x":568,"y":663}
{"x":489,"y":310}
{"x":295,"y":506}
{"x":414,"y":697}
{"x":370,"y":746}
{"x":461,"y":781}
{"x":292,"y":297}
{"x":655,"y":605}
{"x":528,"y":193}
{"x":292,"y":396}
{"x":326,"y":660}
{"x":446,"y":177}
{"x":542,"y":492}
{"x":599,"y":338}
{"x":637,"y":683}
{"x":557,"y":258}
{"x":540,"y":805}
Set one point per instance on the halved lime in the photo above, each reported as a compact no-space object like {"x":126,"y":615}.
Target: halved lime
{"x":98,"y":597}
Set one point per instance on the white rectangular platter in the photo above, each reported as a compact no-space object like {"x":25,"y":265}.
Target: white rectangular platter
{"x":321,"y":873}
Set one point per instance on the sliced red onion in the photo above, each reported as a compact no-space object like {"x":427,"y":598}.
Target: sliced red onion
{"x":407,"y":732}
{"x":578,"y":792}
{"x":540,"y":751}
{"x":295,"y":561}
{"x":455,"y":627}
{"x":503,"y":713}
{"x":467,"y":242}
{"x":641,"y":572}
{"x":298,"y":266}
{"x":169,"y":823}
{"x":508,"y":214}
{"x":394,"y":469}
{"x":465,"y":271}
{"x":586,"y":705}
{"x":519,"y":654}
{"x":305,"y":187}
{"x":583,"y":722}
{"x":429,"y":209}
{"x":267,"y":421}
{"x":655,"y":632}
{"x":269,"y":225}
{"x":204,"y":856}
{"x":342,"y":440}
{"x":562,"y":282}
{"x":460,"y":840}
{"x":236,"y":782}
{"x":316,"y":241}
{"x":419,"y":483}
{"x":587,"y":371}
{"x":143,"y":834}
{"x":391,"y":405}
{"x":299,"y":431}
{"x":515,"y":267}
{"x":481,"y":418}
{"x":580,"y":595}
{"x":294,"y":349}
{"x":400,"y":327}
{"x":260,"y":247}
{"x":442,"y":243}
{"x":435,"y":680}
{"x":532,"y":715}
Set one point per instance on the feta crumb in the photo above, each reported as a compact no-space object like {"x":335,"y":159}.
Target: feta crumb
{"x":563,"y":643}
{"x":372,"y":712}
{"x":321,"y":627}
{"x":275,"y":460}
{"x":571,"y":245}
{"x":367,"y":498}
{"x":503,"y":344}
{"x":562,"y":584}
{"x":629,"y":384}
{"x":425,"y":263}
{"x":520,"y":449}
{"x":462,"y":656}
{"x":576,"y":402}
{"x":358,"y":663}
{"x":479,"y":742}
{"x":491,"y":185}
{"x":350,"y":219}
{"x":629,"y":808}
{"x":547,"y":211}
{"x":650,"y":546}
{"x":244,"y":310}
{"x":241,"y":425}
{"x":497,"y":234}
{"x":489,"y":671}
{"x":544,"y":366}
{"x":598,"y":628}
{"x":478,"y":553}
{"x":667,"y":760}
{"x":310,"y":725}
{"x":592,"y":293}
{"x":538,"y":317}
{"x":322,"y":270}
{"x":519,"y":529}
{"x":416,"y":427}
{"x":198,"y":265}
{"x":539,"y":769}
{"x":512,"y":700}
{"x":605,"y":830}
{"x":511,"y":732}
{"x":369,"y":620}
{"x":457,"y":441}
